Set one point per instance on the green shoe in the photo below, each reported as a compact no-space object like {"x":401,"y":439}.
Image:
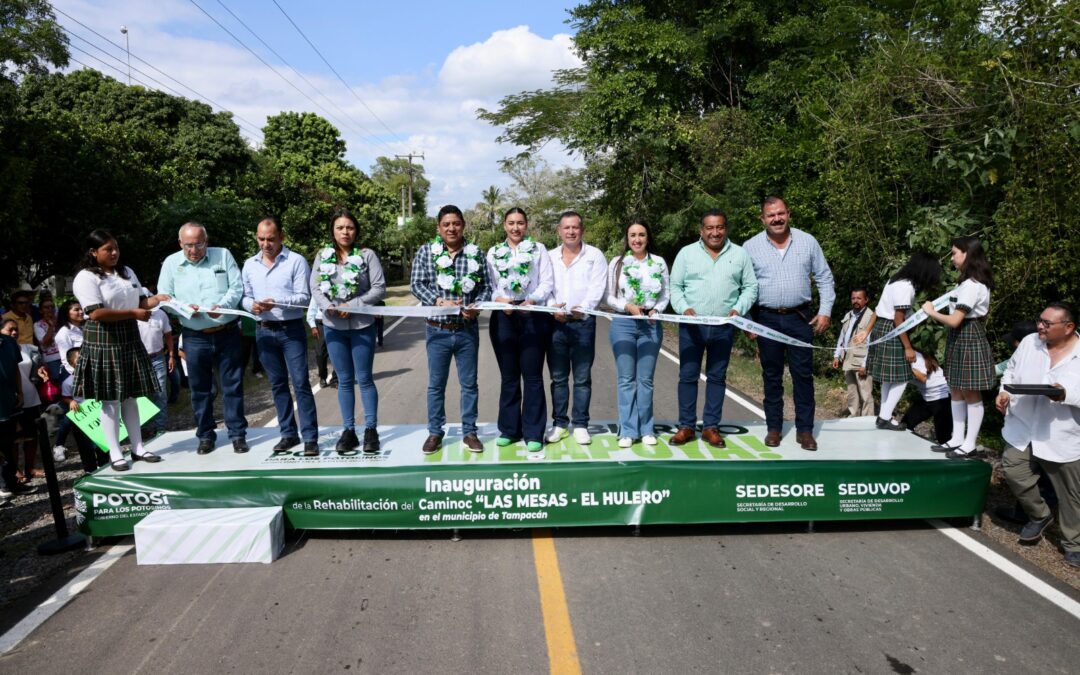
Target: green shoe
{"x":503,"y":441}
{"x":535,"y":446}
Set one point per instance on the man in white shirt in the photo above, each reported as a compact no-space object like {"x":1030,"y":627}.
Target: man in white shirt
{"x":1044,"y":431}
{"x":156,"y":336}
{"x":580,"y":273}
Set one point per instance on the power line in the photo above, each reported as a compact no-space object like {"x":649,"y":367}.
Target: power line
{"x":163,"y":73}
{"x":160,"y":84}
{"x":264,"y":62}
{"x":299,"y":74}
{"x":335,"y":72}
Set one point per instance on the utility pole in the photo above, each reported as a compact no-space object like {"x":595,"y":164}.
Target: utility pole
{"x":127,"y":48}
{"x":410,"y":158}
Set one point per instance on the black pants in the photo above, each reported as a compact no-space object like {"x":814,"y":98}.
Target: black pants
{"x":940,"y":410}
{"x":7,"y":447}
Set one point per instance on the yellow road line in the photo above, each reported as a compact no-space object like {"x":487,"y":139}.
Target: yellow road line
{"x":562,"y":650}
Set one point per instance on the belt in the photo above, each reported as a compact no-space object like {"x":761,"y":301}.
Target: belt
{"x":157,"y":353}
{"x":213,"y":329}
{"x":278,"y":325}
{"x":785,"y":310}
{"x":447,"y":326}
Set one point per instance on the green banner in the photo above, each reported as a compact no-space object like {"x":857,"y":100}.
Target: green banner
{"x":549,"y":494}
{"x":88,"y":419}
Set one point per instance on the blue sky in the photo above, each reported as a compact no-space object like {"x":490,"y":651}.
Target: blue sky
{"x":422,"y":67}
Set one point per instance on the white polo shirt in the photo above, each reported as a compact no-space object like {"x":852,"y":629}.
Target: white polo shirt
{"x":1052,"y":429}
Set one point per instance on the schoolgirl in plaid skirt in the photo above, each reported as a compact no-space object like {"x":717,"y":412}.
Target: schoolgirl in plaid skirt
{"x":890,"y":362}
{"x":113,"y":366}
{"x":969,"y":364}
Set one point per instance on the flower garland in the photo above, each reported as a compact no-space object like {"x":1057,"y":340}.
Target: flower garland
{"x":514,"y":265}
{"x":350,"y":275}
{"x":641,"y":280}
{"x":444,"y":265}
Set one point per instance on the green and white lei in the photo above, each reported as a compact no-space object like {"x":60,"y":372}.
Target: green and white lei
{"x":514,"y":265}
{"x":444,"y":266}
{"x":350,"y":275}
{"x":641,"y":280}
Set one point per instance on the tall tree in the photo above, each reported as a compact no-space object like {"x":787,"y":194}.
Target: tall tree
{"x":394,"y":173}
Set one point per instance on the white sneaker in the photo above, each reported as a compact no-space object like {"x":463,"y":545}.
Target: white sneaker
{"x":648,"y":439}
{"x":581,"y":435}
{"x":6,"y":494}
{"x":556,"y":434}
{"x":59,"y":453}
{"x":625,"y":442}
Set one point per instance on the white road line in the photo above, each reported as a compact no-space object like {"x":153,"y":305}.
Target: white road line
{"x":52,"y":605}
{"x":1008,"y":567}
{"x":734,"y":397}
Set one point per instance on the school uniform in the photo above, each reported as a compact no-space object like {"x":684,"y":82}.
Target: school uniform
{"x":969,"y":364}
{"x":886,"y":359}
{"x":933,"y":401}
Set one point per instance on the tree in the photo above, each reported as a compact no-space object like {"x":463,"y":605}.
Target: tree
{"x":393,"y":175}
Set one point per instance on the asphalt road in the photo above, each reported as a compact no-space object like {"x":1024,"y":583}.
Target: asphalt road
{"x":867,"y":597}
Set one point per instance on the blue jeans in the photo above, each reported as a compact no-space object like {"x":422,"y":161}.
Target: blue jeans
{"x":636,"y":345}
{"x":800,"y":364}
{"x":713,"y":342}
{"x":353,"y":354}
{"x":573,"y":347}
{"x":520,"y":341}
{"x":161,"y":398}
{"x":204,"y":351}
{"x":282,"y":352}
{"x":464,"y":347}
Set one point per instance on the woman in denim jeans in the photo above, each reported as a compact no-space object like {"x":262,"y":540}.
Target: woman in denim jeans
{"x":637,"y":286}
{"x":344,"y":275}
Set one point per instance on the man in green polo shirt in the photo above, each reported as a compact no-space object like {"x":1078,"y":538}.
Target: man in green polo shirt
{"x":206,"y":278}
{"x":711,"y":277}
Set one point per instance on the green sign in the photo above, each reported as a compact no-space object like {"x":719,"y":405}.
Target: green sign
{"x":88,"y":419}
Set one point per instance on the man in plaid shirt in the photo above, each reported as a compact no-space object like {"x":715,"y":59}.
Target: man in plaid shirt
{"x":450,"y":271}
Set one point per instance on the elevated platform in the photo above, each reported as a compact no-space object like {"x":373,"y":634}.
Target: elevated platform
{"x":858,"y":473}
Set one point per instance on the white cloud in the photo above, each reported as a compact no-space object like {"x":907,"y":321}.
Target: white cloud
{"x":509,"y":61}
{"x":431,"y":111}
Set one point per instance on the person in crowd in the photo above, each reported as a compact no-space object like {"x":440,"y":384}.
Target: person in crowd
{"x":157,"y":338}
{"x":580,"y":274}
{"x":20,"y":314}
{"x":276,"y":286}
{"x":250,"y":346}
{"x":322,"y":354}
{"x":44,"y":296}
{"x":710,"y":277}
{"x":91,"y":459}
{"x":346,"y":275}
{"x":637,"y":285}
{"x":890,"y":361}
{"x":785,"y":259}
{"x":113,"y":366}
{"x":177,"y":378}
{"x":520,"y":272}
{"x":450,"y":272}
{"x":32,"y":372}
{"x":851,"y":357}
{"x":206,"y":277}
{"x":932,"y":400}
{"x":69,"y":336}
{"x":1020,"y":330}
{"x":11,"y":402}
{"x":45,"y":337}
{"x":1040,"y":432}
{"x":969,"y":364}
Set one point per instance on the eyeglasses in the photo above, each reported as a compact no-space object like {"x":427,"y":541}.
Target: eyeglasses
{"x":1043,"y":323}
{"x":197,"y":246}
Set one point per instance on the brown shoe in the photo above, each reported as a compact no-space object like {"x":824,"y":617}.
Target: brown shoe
{"x":806,"y":440}
{"x":473,"y":443}
{"x":772,"y":439}
{"x":682,"y":436}
{"x":432,"y":444}
{"x":712,"y":437}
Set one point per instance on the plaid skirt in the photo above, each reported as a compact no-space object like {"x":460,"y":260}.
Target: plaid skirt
{"x":113,"y":364}
{"x":885,"y":362}
{"x":968,"y":361}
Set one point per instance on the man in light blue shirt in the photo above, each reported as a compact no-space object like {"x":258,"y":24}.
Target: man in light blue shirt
{"x":206,"y":278}
{"x":785,"y":259}
{"x":276,"y":290}
{"x":711,"y":277}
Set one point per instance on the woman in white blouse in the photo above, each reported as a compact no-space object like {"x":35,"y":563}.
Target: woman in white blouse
{"x":637,"y":286}
{"x":113,"y":366}
{"x":521,"y":274}
{"x":969,"y":363}
{"x":69,"y":331}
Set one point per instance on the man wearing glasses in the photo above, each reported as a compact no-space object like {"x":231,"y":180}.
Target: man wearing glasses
{"x":1043,"y":431}
{"x":20,"y":314}
{"x":206,"y":278}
